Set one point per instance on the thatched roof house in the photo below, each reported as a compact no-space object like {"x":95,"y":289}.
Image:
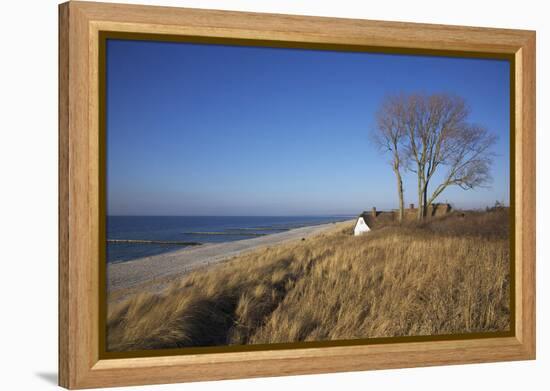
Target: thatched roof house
{"x":361,"y":225}
{"x":367,"y":220}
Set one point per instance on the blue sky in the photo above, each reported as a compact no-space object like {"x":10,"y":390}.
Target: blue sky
{"x":226,"y":130}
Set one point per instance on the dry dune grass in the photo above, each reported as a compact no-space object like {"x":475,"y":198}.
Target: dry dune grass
{"x":449,"y":275}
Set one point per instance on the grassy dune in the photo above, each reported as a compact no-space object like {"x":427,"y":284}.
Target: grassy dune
{"x":449,"y":275}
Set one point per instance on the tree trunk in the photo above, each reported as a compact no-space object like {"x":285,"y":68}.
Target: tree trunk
{"x":400,"y":195}
{"x":421,"y":205}
{"x":425,"y":201}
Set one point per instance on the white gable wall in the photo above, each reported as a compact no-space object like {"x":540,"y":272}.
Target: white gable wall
{"x":360,"y":227}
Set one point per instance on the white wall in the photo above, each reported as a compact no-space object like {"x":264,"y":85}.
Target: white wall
{"x":28,"y":214}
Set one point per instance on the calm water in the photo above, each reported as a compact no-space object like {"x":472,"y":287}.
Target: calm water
{"x":201,"y":229}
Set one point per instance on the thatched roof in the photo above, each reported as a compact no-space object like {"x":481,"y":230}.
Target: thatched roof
{"x":380,"y":217}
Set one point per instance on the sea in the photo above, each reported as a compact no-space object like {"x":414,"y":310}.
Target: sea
{"x":177,"y":232}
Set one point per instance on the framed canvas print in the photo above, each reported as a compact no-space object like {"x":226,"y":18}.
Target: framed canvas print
{"x":248,"y":195}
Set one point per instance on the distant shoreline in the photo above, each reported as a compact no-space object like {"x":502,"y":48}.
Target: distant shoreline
{"x":156,"y":270}
{"x":134,"y":237}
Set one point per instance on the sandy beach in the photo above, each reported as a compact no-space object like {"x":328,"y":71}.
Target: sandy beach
{"x":152,"y":273}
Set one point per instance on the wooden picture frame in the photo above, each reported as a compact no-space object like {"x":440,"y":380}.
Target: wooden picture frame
{"x":81,"y":364}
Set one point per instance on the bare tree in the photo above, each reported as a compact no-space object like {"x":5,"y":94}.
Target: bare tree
{"x":389,"y":136}
{"x":426,"y":132}
{"x":438,"y":135}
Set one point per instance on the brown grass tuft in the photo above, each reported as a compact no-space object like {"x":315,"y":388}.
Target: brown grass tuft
{"x":448,"y":275}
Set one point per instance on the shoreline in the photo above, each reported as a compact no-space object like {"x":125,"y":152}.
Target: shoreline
{"x":155,"y":272}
